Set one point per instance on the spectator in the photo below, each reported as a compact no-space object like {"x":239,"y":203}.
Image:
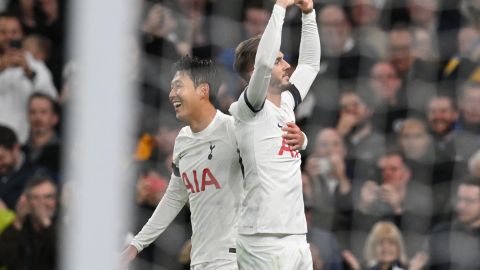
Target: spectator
{"x":417,"y":75}
{"x":364,"y":145}
{"x":14,"y":169}
{"x":385,"y":249}
{"x":388,"y":98}
{"x":467,"y":130}
{"x":326,"y":171}
{"x":20,"y":76}
{"x":454,"y":245}
{"x":34,"y":244}
{"x":417,"y":148}
{"x":367,"y":31}
{"x":43,"y":147}
{"x":396,"y":198}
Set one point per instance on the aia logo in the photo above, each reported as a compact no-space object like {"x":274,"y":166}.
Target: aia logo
{"x":287,"y":148}
{"x":207,"y":180}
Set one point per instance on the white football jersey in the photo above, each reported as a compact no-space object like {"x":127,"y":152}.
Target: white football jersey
{"x":273,"y":200}
{"x":207,"y":172}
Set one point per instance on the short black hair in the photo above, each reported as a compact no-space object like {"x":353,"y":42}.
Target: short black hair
{"x":38,"y":179}
{"x":201,"y":71}
{"x":470,"y":181}
{"x":8,"y":139}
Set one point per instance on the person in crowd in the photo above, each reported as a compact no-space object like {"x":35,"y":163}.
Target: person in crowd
{"x":31,"y":243}
{"x":43,"y":147}
{"x":14,"y":168}
{"x":385,"y":248}
{"x":454,"y":245}
{"x":388,"y":100}
{"x":20,"y":76}
{"x":394,"y":197}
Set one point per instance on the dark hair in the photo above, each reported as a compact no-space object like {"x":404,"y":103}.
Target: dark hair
{"x":36,"y":180}
{"x":444,"y":96}
{"x":53,"y":104}
{"x":245,"y":56}
{"x":8,"y":139}
{"x":200,"y":71}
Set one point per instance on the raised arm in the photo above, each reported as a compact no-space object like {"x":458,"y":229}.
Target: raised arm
{"x":310,"y":51}
{"x":172,"y":202}
{"x":267,"y":50}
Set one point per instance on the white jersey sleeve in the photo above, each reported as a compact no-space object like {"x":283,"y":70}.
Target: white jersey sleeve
{"x":309,"y":59}
{"x":172,"y":202}
{"x":253,"y":98}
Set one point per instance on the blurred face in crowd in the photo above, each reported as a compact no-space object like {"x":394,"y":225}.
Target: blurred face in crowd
{"x":364,"y":12}
{"x":328,"y":143}
{"x":41,"y":116}
{"x":10,"y":29}
{"x":466,"y":38}
{"x":422,"y":12}
{"x":468,"y":204}
{"x":400,"y":50}
{"x":470,"y":105}
{"x":43,"y":197}
{"x":414,"y":139}
{"x":441,"y":115}
{"x":8,"y":159}
{"x":386,"y":251}
{"x":350,"y":103}
{"x":394,"y":171}
{"x":334,"y":29}
{"x":256,"y":20}
{"x":384,"y":81}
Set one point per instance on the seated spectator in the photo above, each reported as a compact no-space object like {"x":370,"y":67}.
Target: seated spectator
{"x":14,"y":169}
{"x":455,"y":244}
{"x":395,"y":197}
{"x":33,"y":245}
{"x":385,"y":249}
{"x":467,"y":130}
{"x":416,"y":145}
{"x":43,"y":147}
{"x":20,"y":76}
{"x":367,"y":31}
{"x":330,"y":185}
{"x":364,"y":145}
{"x":388,"y":99}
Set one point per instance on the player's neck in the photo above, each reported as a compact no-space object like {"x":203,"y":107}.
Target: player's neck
{"x":202,"y":118}
{"x":275,"y":98}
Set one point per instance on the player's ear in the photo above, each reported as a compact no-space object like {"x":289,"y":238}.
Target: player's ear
{"x":205,"y":89}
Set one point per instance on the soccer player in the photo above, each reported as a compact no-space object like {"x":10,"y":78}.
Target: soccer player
{"x":207,"y":171}
{"x":272,"y":225}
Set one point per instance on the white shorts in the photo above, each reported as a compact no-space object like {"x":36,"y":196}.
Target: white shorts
{"x":273,"y":252}
{"x":218,"y":264}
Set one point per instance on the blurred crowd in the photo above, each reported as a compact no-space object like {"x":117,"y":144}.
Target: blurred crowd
{"x":391,"y":175}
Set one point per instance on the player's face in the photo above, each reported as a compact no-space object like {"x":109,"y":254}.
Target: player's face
{"x":184,"y":96}
{"x":280,"y":72}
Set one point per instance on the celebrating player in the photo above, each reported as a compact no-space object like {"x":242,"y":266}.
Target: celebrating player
{"x":207,"y":171}
{"x":272,"y":225}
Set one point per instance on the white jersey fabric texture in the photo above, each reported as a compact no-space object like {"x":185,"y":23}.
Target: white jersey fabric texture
{"x":273,"y":191}
{"x":209,"y":177}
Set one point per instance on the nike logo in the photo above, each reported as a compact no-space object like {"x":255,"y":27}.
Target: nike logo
{"x":280,"y":126}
